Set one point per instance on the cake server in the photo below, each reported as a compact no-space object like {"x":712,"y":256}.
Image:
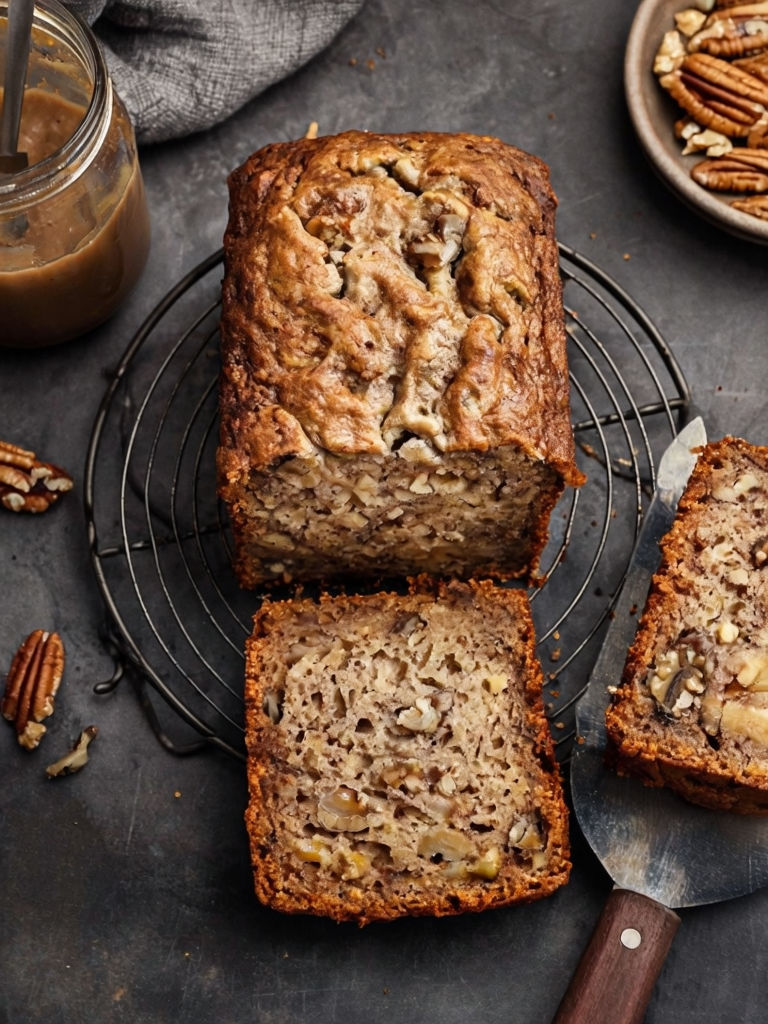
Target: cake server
{"x":661,"y":852}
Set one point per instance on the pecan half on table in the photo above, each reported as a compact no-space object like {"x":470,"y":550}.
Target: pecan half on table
{"x":26,"y":483}
{"x":31,"y":685}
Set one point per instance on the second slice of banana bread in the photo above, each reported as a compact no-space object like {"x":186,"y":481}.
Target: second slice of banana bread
{"x":399,"y":759}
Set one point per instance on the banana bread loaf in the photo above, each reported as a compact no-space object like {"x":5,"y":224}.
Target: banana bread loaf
{"x":394,"y":392}
{"x":399,"y":760}
{"x":692,"y":710}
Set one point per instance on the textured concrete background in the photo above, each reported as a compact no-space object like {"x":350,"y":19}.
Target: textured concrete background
{"x":126,"y":891}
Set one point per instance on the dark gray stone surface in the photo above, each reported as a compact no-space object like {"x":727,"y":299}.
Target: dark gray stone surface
{"x":126,"y":891}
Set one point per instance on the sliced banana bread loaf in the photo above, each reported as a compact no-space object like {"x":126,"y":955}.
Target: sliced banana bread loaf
{"x":394,"y":391}
{"x":399,"y":760}
{"x":692,"y":710}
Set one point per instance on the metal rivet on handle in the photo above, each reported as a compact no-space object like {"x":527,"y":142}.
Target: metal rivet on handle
{"x":631,"y":938}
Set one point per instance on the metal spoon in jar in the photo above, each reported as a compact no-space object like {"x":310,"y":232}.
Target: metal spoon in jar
{"x":20,"y":13}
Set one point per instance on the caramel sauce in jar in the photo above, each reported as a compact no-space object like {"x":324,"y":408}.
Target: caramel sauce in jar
{"x":74,"y":226}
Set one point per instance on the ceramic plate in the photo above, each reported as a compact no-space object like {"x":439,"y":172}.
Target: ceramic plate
{"x":653,"y":115}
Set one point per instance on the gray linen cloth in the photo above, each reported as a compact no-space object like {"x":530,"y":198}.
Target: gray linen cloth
{"x":183,"y":65}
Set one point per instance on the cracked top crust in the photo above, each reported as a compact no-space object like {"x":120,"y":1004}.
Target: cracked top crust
{"x":378,"y":287}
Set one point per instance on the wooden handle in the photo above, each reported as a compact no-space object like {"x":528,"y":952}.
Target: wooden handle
{"x":616,"y":975}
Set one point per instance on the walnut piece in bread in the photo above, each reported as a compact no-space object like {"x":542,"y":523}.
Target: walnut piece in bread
{"x":399,"y":759}
{"x":394,"y":393}
{"x":692,"y":710}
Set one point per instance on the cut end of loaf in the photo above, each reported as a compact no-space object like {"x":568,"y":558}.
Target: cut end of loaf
{"x":399,"y":759}
{"x":416,"y":511}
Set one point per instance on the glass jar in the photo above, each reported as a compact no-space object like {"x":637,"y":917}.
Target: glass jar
{"x":74,"y":226}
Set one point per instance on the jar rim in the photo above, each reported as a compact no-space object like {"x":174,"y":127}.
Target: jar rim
{"x":74,"y":33}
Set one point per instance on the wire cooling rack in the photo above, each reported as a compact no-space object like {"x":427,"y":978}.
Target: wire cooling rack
{"x":159,"y":542}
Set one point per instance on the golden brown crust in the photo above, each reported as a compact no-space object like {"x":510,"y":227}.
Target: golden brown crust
{"x":689,"y":754}
{"x":303,"y":362}
{"x":272,"y":765}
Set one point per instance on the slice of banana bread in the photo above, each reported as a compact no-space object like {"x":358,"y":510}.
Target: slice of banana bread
{"x":394,"y":391}
{"x":399,"y":759}
{"x":692,"y":710}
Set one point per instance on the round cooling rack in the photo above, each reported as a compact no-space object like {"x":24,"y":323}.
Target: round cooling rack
{"x":159,"y":540}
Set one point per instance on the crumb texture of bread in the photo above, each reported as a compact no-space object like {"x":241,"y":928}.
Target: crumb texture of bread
{"x":692,"y":709}
{"x":394,"y":392}
{"x":399,"y":759}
